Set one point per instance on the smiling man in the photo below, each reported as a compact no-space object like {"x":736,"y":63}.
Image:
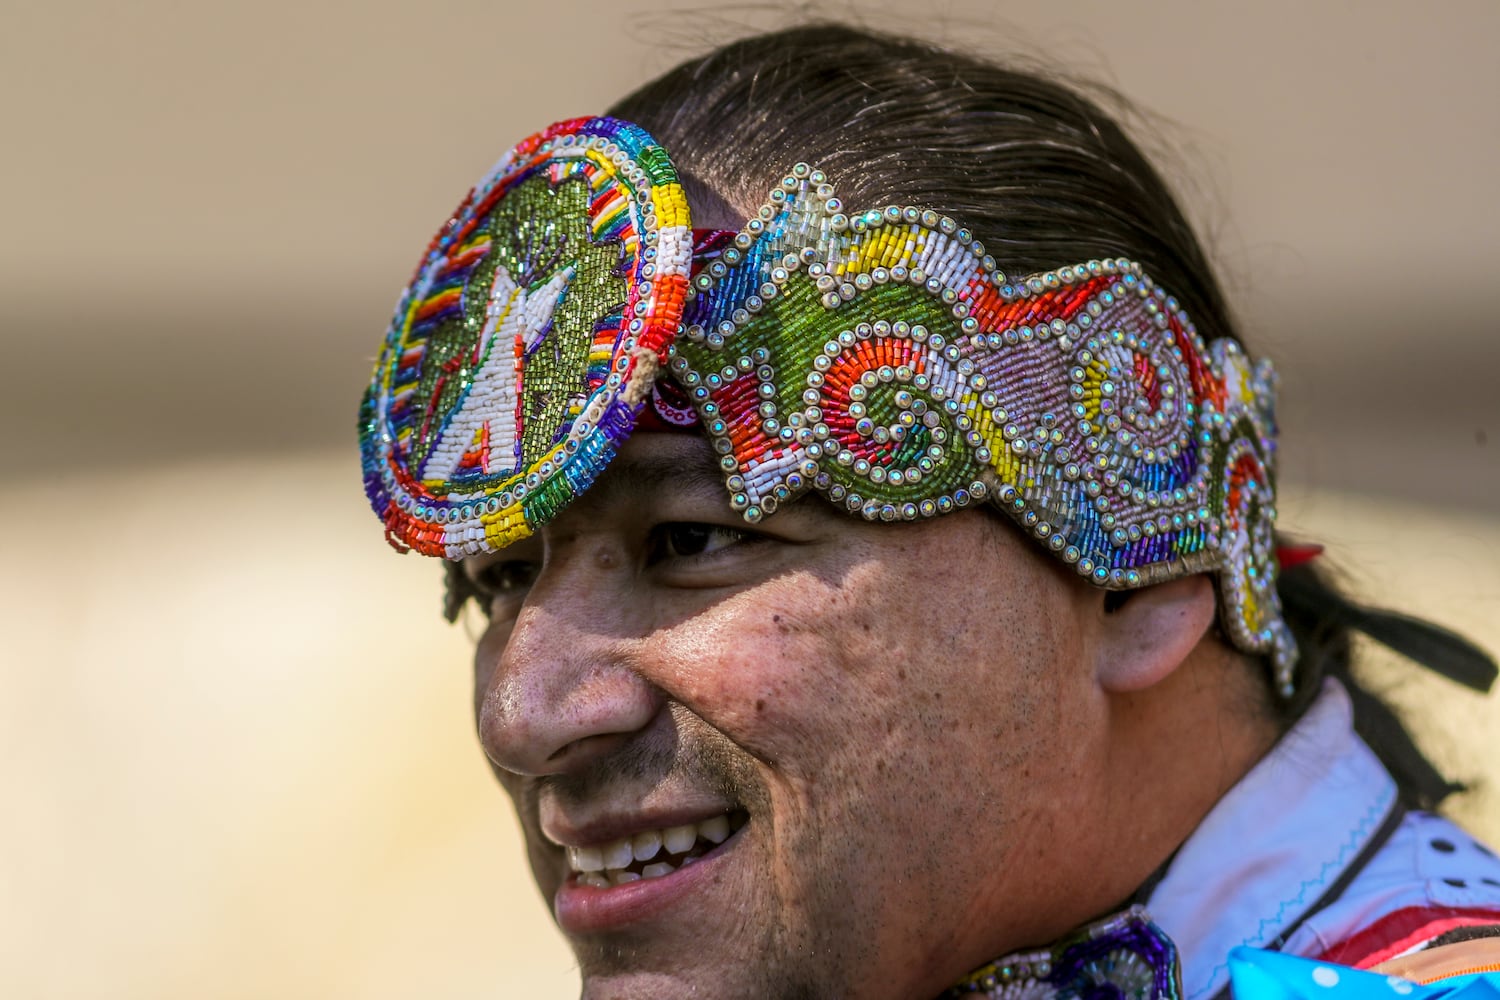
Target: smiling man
{"x":883,"y":601}
{"x":853,"y":773}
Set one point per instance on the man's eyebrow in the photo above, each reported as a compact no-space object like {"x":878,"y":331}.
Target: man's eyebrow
{"x":690,"y":473}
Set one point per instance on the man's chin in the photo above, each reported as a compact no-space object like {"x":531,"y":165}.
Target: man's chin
{"x":747,"y":981}
{"x":648,"y":986}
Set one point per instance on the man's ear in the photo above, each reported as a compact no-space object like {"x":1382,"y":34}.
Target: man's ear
{"x":1147,"y":633}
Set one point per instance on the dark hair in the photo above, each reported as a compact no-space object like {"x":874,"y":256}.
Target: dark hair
{"x":1046,"y":177}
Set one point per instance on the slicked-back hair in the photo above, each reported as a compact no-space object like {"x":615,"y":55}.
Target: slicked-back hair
{"x":1043,"y":175}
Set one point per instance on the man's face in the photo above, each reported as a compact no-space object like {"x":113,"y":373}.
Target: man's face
{"x":865,"y":740}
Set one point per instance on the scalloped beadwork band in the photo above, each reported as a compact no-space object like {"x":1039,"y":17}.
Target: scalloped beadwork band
{"x":880,"y":358}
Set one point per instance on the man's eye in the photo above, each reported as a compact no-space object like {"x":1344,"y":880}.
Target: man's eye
{"x":504,"y":579}
{"x":685,"y":540}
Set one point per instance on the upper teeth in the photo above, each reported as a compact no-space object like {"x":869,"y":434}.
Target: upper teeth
{"x":644,"y":846}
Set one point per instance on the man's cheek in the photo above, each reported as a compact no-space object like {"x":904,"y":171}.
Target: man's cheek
{"x":762,"y":686}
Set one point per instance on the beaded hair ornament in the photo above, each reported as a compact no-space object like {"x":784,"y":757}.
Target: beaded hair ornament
{"x":880,"y":358}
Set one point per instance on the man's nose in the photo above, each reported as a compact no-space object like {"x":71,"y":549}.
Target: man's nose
{"x":565,"y":687}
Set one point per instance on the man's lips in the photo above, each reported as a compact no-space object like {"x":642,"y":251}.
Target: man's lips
{"x":626,"y":889}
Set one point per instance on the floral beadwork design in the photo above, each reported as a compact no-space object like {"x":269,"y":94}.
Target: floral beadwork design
{"x":884,"y":360}
{"x":526,"y":343}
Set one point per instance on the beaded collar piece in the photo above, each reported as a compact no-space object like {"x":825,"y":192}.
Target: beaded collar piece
{"x":880,"y":358}
{"x":1124,"y":957}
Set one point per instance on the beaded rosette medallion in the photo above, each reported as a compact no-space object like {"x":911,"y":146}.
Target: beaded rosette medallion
{"x":881,"y":358}
{"x":1123,"y":957}
{"x":522,"y":349}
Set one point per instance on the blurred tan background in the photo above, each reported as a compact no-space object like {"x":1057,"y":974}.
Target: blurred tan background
{"x":235,"y":746}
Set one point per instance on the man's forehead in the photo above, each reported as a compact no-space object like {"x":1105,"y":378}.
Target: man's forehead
{"x":655,"y":466}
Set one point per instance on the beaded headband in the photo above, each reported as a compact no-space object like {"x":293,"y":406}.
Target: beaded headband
{"x":880,"y":358}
